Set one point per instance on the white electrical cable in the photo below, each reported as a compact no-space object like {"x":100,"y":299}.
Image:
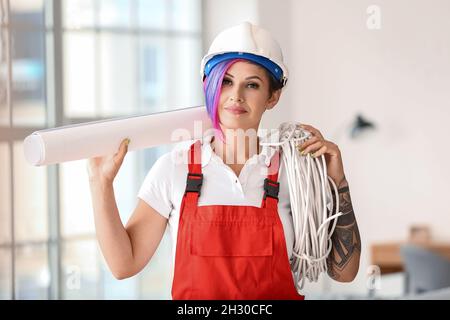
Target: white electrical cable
{"x":310,"y":196}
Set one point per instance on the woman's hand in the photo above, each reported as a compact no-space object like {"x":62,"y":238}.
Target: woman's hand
{"x":317,"y":145}
{"x":105,"y":168}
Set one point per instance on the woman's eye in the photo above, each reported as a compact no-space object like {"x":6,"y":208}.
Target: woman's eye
{"x":251,"y":85}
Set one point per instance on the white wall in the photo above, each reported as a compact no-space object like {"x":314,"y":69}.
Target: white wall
{"x":219,"y":15}
{"x":398,"y":76}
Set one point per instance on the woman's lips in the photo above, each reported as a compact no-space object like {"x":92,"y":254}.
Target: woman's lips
{"x":236,"y":110}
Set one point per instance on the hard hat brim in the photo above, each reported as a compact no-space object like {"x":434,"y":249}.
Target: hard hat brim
{"x":272,"y":67}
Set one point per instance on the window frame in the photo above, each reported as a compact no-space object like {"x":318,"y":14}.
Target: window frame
{"x":54,"y":30}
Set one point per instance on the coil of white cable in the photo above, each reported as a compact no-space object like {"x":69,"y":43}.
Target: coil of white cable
{"x":311,"y":204}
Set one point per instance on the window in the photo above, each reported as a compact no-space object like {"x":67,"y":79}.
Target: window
{"x":27,"y":55}
{"x":65,"y":62}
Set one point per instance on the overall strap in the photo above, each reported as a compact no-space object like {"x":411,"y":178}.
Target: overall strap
{"x":194,"y":178}
{"x":271,"y":184}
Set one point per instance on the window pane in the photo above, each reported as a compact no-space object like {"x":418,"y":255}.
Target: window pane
{"x":78,"y":14}
{"x":115,"y":13}
{"x":150,"y":155}
{"x":4,"y":111}
{"x":5,"y":195}
{"x":186,"y":88}
{"x":80,"y":265}
{"x":32,"y":272}
{"x":30,"y":198}
{"x":126,"y":186}
{"x":153,"y":74}
{"x":28,"y":78}
{"x":27,"y":12}
{"x":79,"y":74}
{"x":153,"y":14}
{"x":186,"y":15}
{"x":118,"y":85}
{"x":77,"y":217}
{"x":5,"y":274}
{"x":3,"y":16}
{"x":156,"y":278}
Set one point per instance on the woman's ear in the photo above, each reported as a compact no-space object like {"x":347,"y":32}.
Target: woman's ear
{"x":273,"y":100}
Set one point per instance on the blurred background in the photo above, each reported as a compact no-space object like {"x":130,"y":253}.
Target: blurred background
{"x":372,"y":76}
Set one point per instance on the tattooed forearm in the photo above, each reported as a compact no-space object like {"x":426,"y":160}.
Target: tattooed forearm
{"x":343,"y":261}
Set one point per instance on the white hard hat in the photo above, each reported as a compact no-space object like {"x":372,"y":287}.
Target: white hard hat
{"x":246,"y":41}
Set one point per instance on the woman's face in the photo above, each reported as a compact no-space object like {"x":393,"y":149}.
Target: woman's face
{"x":245,"y":96}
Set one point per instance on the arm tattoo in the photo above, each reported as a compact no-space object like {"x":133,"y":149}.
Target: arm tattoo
{"x":345,"y":239}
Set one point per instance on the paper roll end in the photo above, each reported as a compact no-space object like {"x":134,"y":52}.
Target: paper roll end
{"x":33,"y":148}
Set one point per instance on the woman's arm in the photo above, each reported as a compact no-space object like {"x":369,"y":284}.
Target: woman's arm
{"x":126,"y":249}
{"x":343,"y":261}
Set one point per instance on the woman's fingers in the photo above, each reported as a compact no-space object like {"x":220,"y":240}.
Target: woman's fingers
{"x":106,"y":167}
{"x":120,"y":155}
{"x":320,"y":152}
{"x":313,"y":130}
{"x":313,"y":147}
{"x":308,"y":142}
{"x":316,"y":144}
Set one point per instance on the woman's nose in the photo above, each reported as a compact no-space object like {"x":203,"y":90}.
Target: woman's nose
{"x":237,"y":99}
{"x":236,"y":95}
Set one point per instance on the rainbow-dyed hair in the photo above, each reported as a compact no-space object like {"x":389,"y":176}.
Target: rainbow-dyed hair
{"x":212,"y":86}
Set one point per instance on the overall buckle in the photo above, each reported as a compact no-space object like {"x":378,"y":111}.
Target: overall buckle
{"x":194,"y":182}
{"x":271,"y":188}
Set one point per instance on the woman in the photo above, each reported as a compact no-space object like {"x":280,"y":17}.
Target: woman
{"x":230,"y":218}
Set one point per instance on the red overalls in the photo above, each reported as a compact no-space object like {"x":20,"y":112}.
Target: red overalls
{"x":229,"y":251}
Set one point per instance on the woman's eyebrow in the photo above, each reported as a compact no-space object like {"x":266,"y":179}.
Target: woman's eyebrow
{"x":254,"y":77}
{"x":248,"y":78}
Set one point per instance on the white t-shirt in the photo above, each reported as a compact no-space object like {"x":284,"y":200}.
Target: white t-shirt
{"x":163,"y":187}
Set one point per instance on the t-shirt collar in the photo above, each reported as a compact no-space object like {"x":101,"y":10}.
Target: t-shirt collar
{"x":264,"y":157}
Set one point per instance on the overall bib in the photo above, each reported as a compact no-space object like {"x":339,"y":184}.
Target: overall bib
{"x":228,"y":251}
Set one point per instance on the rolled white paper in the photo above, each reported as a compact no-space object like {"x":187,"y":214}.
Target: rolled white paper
{"x":99,"y":138}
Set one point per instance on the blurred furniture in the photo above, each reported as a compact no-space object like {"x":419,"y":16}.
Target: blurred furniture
{"x":440,"y":294}
{"x":419,"y":233}
{"x":388,"y":258}
{"x":425,"y":270}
